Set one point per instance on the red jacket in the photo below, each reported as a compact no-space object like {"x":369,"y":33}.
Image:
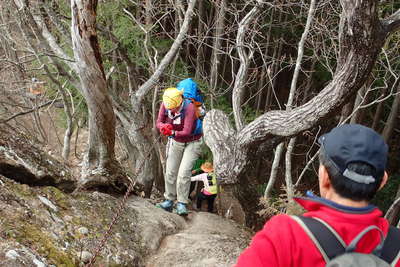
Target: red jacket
{"x":183,"y":127}
{"x":282,"y":242}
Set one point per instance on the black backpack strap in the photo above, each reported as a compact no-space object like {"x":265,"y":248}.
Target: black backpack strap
{"x":326,"y":239}
{"x":391,"y":247}
{"x":330,"y":244}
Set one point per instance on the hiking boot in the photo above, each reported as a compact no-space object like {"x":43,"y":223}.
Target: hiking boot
{"x":166,"y":205}
{"x":181,"y":209}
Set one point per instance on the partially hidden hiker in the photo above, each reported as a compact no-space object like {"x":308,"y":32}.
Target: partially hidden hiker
{"x":340,"y":228}
{"x":210,"y":189}
{"x":177,"y":119}
{"x":197,"y":166}
{"x":196,"y":170}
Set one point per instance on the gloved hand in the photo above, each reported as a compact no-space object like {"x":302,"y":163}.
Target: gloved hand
{"x":166,"y":129}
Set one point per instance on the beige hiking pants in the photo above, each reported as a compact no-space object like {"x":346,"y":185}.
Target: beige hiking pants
{"x":180,"y":161}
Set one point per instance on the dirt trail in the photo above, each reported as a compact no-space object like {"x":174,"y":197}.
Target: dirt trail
{"x":206,"y":240}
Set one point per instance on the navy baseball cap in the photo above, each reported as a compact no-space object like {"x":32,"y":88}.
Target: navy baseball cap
{"x":350,"y":143}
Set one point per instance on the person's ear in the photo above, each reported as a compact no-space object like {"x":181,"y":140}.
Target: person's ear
{"x":384,"y":181}
{"x":324,"y":181}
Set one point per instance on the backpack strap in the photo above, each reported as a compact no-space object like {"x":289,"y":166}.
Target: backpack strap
{"x":198,"y":124}
{"x":186,"y":102}
{"x":378,"y":249}
{"x":329,"y":243}
{"x":181,"y":111}
{"x":391,"y":247}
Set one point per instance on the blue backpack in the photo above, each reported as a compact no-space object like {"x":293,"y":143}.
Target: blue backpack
{"x":190,"y":90}
{"x":192,"y":94}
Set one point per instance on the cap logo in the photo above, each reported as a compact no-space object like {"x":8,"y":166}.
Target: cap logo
{"x":362,"y":179}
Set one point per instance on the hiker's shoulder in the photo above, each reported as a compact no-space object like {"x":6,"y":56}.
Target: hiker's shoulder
{"x":280,"y":218}
{"x":278,"y":223}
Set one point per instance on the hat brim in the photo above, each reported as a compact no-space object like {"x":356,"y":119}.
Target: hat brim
{"x":321,"y":139}
{"x":204,"y":169}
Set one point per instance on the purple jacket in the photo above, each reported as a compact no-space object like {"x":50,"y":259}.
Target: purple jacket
{"x":182,"y":125}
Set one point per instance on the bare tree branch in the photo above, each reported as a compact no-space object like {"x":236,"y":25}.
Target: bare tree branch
{"x":355,"y":62}
{"x":152,"y":81}
{"x":241,"y":74}
{"x":289,"y":106}
{"x":391,"y":213}
{"x":392,"y":23}
{"x":52,"y":43}
{"x":29,"y":111}
{"x":349,"y":77}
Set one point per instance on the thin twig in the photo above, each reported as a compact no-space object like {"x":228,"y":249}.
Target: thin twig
{"x":28,"y":111}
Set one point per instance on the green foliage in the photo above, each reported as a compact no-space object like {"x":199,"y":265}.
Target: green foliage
{"x":260,"y":189}
{"x":131,"y":38}
{"x":385,"y":197}
{"x":57,"y":196}
{"x":207,"y":154}
{"x":223,"y":103}
{"x":181,"y":69}
{"x":64,"y":7}
{"x":279,"y":204}
{"x":322,"y":75}
{"x":249,"y":114}
{"x":32,"y":235}
{"x":129,"y":34}
{"x":387,"y":8}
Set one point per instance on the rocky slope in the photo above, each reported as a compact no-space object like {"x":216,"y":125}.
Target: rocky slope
{"x":43,"y":223}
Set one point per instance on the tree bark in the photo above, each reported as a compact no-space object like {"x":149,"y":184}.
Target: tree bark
{"x":274,"y":170}
{"x":273,"y":68}
{"x":289,"y":106}
{"x":69,"y":116}
{"x":392,"y":118}
{"x":148,"y":12}
{"x":216,"y":49}
{"x":378,"y":112}
{"x":361,"y":99}
{"x":244,"y":57}
{"x":200,"y":34}
{"x":393,"y":213}
{"x":347,"y":109}
{"x":48,"y":45}
{"x":361,"y":37}
{"x":261,"y":84}
{"x":380,"y":107}
{"x":100,"y":158}
{"x":290,"y":102}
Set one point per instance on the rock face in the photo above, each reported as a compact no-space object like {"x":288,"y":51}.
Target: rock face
{"x":43,"y":226}
{"x":42,"y":223}
{"x":23,"y":161}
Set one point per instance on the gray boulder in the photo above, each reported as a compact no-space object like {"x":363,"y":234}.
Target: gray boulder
{"x":44,"y":226}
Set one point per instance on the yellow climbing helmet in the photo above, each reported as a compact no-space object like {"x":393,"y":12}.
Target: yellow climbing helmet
{"x":172,"y":98}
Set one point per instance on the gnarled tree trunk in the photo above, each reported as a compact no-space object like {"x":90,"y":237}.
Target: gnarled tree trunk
{"x":99,"y":164}
{"x":361,"y":37}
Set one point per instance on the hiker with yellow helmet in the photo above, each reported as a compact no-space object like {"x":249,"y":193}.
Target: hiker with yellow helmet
{"x":177,"y":120}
